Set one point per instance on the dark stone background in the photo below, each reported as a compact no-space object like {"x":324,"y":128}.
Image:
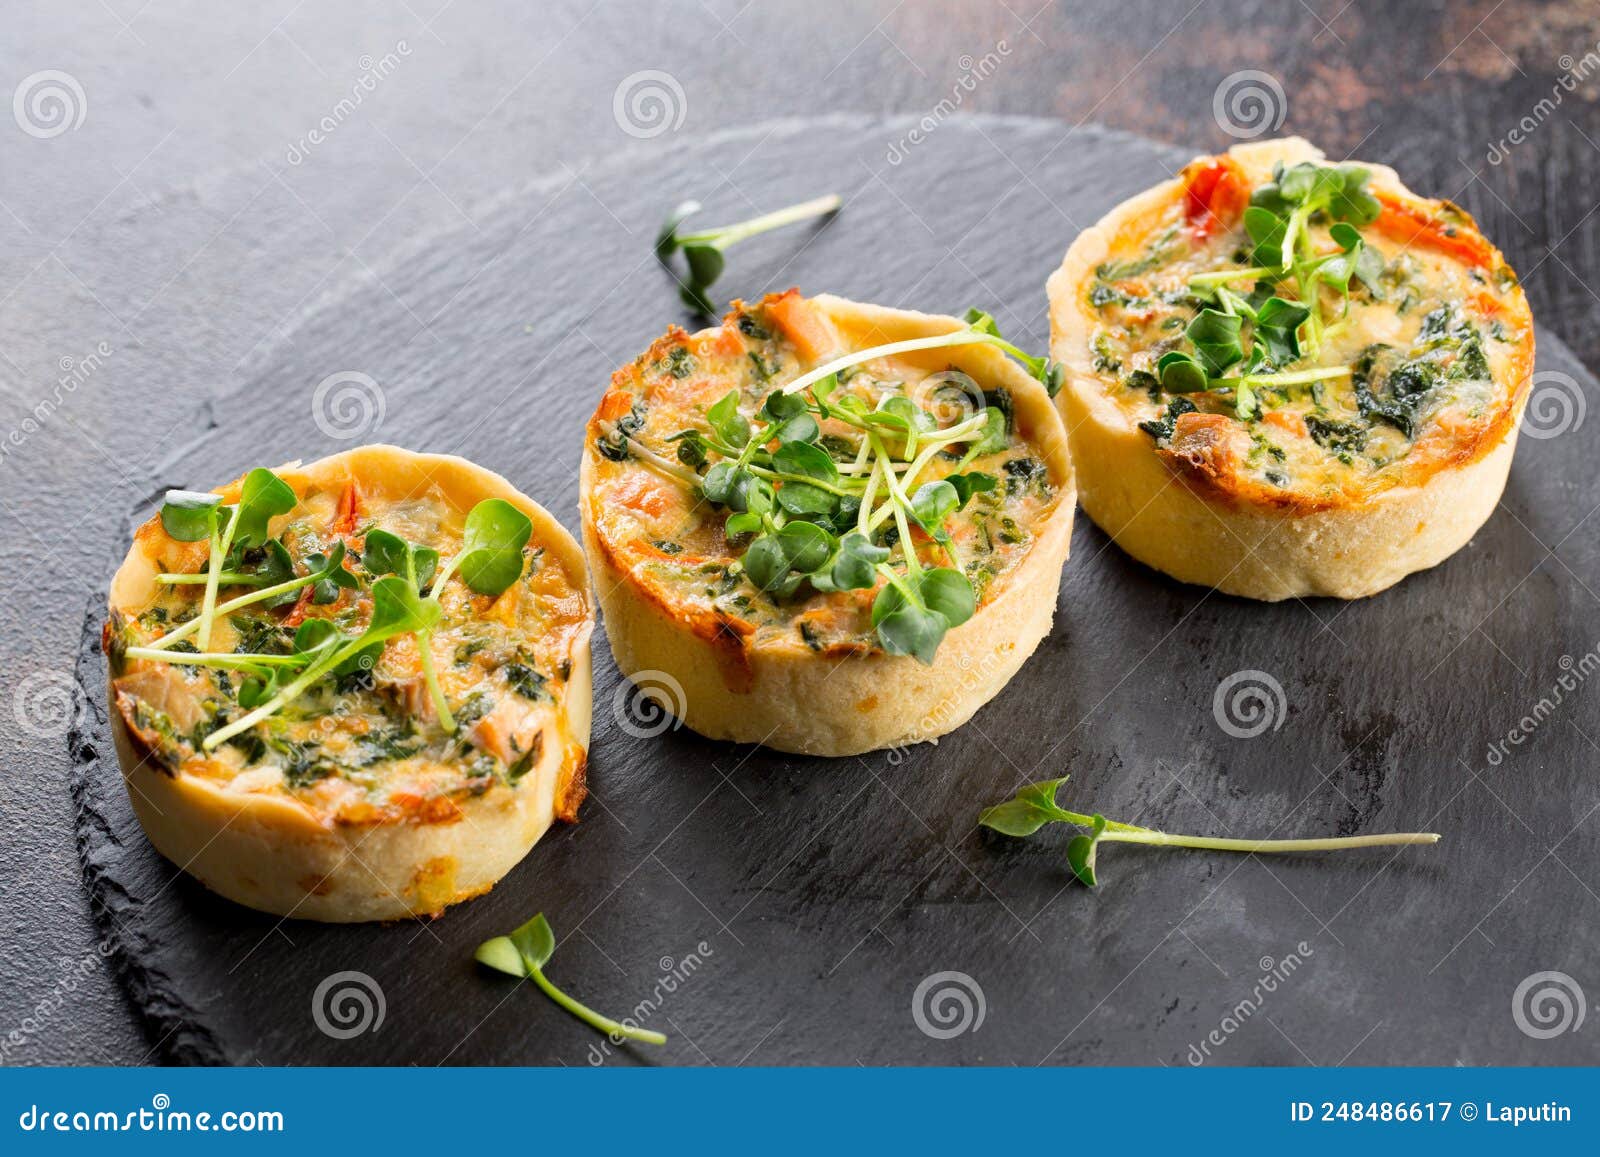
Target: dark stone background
{"x":171,"y":227}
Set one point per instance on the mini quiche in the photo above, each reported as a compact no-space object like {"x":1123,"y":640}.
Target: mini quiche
{"x":1287,"y":377}
{"x":352,"y":690}
{"x":827,"y":527}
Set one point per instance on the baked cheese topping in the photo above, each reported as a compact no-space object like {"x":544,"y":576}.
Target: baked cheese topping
{"x":1388,"y":340}
{"x":650,"y":474}
{"x":366,"y":743}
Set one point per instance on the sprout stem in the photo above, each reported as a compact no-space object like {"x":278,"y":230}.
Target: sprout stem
{"x":178,"y":634}
{"x":1162,"y":839}
{"x":604,"y":1023}
{"x":938,"y":341}
{"x":227,"y":578}
{"x":224,"y":659}
{"x":732,"y":234}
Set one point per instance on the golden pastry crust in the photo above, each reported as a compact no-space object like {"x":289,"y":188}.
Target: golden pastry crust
{"x":804,"y":678}
{"x":392,"y":840}
{"x":1278,"y":507}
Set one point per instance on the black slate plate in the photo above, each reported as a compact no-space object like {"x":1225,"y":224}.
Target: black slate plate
{"x":771,"y":909}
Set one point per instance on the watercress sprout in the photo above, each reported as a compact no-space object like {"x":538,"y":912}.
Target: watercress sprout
{"x":272,"y":595}
{"x":490,"y":560}
{"x":703,"y":251}
{"x":397,"y":609}
{"x":526,"y":951}
{"x":979,"y":330}
{"x":815,"y":512}
{"x":190,"y":516}
{"x":1285,"y":312}
{"x":1034,"y":806}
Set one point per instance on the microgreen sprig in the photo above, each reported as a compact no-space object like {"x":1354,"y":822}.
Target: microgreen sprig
{"x":1034,"y":806}
{"x":190,"y":516}
{"x":1283,"y":330}
{"x":979,"y":330}
{"x":815,"y":520}
{"x":526,"y":951}
{"x":703,"y":251}
{"x":408,"y":579}
{"x":489,"y":561}
{"x":396,"y":610}
{"x":330,"y":567}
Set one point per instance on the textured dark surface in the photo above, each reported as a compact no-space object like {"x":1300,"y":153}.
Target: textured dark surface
{"x":824,"y":892}
{"x":171,"y":226}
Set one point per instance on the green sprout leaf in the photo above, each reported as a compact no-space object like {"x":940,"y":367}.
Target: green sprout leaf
{"x":912,"y":614}
{"x":778,"y":406}
{"x":1216,"y":340}
{"x":806,"y":460}
{"x":806,"y":501}
{"x":729,"y":425}
{"x":1180,"y":373}
{"x":1277,"y":326}
{"x":526,"y":951}
{"x":334,"y":576}
{"x":931,"y":504}
{"x":189,"y":515}
{"x":855,"y":566}
{"x":263,"y":496}
{"x":777,"y":562}
{"x":1081,"y":851}
{"x":976,"y":482}
{"x":384,"y":553}
{"x":491,"y":548}
{"x":1034,"y":807}
{"x":667,"y":236}
{"x":703,"y":252}
{"x":535,"y":942}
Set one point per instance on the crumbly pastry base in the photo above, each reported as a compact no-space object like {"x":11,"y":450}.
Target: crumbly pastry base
{"x":271,"y":852}
{"x":790,"y":698}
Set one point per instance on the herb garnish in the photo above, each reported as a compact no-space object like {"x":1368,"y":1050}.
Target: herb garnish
{"x":405,"y":594}
{"x":189,"y":516}
{"x":525,"y":952}
{"x":1034,"y":806}
{"x":702,"y":252}
{"x":490,"y":560}
{"x":833,"y":522}
{"x":1283,"y":330}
